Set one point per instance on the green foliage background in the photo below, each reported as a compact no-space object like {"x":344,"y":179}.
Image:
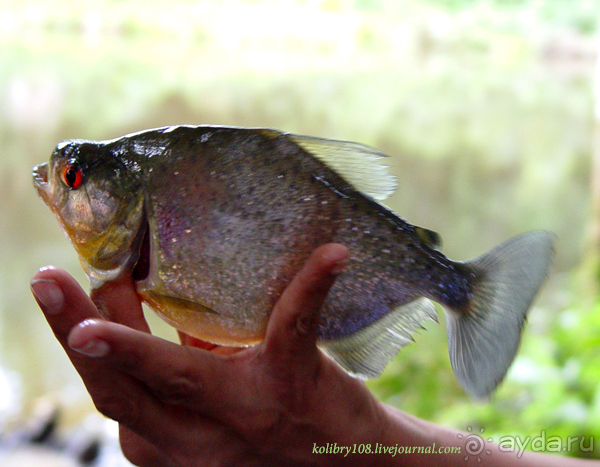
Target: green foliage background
{"x":484,"y":106}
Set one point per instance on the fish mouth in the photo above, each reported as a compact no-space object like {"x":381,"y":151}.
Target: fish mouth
{"x":141,"y":270}
{"x":40,"y":181}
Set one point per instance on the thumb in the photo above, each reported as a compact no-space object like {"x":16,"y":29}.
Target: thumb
{"x":292,"y":329}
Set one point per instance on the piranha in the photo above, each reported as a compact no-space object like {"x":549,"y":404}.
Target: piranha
{"x":213,"y":223}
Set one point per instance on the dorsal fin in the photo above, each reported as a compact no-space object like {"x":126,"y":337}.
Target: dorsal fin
{"x":358,"y":164}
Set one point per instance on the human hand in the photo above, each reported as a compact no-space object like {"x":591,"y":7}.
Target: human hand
{"x":270,"y":404}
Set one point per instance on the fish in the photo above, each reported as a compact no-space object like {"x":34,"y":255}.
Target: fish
{"x":213,"y":222}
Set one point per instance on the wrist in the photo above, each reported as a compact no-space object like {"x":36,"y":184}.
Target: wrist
{"x":410,"y":441}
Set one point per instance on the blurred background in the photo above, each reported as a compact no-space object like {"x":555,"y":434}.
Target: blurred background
{"x":486,"y":107}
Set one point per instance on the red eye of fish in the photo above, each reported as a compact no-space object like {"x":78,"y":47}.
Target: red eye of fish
{"x":72,"y":175}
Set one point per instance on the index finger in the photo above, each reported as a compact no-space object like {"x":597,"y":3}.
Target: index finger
{"x":177,"y":375}
{"x":65,"y":305}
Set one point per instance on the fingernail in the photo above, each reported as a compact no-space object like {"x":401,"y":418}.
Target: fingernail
{"x":94,"y":348}
{"x":49,"y":294}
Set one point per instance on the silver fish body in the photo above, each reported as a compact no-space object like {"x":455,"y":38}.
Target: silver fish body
{"x":213,"y":222}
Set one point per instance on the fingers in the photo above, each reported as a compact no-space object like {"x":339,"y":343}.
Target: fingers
{"x":292,"y":329}
{"x":119,"y":302}
{"x":116,"y":393}
{"x":66,"y":305}
{"x":170,"y":371}
{"x":141,"y":452}
{"x":177,"y":375}
{"x":186,"y":391}
{"x":62,"y":300}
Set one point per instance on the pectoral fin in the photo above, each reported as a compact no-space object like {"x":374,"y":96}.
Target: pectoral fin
{"x":160,"y":302}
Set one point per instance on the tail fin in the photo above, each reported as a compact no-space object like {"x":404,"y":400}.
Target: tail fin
{"x":484,"y":338}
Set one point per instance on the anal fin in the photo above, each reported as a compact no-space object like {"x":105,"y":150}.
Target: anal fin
{"x":365,"y":353}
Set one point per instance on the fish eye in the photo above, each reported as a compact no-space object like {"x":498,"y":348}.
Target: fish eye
{"x":72,"y":175}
